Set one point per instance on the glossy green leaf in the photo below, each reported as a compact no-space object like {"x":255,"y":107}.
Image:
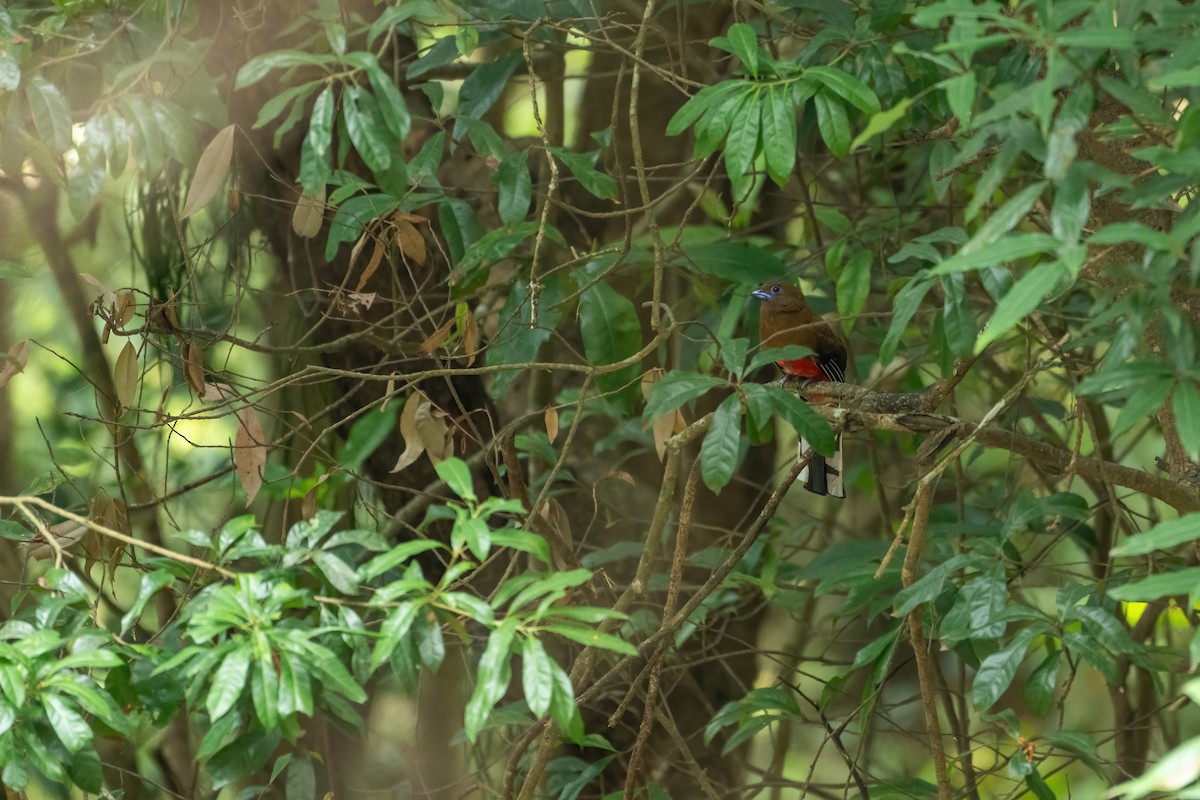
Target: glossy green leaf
{"x":882,"y":122}
{"x":85,"y":770}
{"x":611,"y":332}
{"x":744,"y":44}
{"x":833,"y":123}
{"x":853,"y":288}
{"x":516,"y":188}
{"x":674,"y":389}
{"x":1039,"y":688}
{"x":960,"y":96}
{"x":70,"y":727}
{"x":778,"y":134}
{"x":483,"y":87}
{"x":1022,"y":299}
{"x":1177,"y":583}
{"x":257,"y":68}
{"x":846,"y":86}
{"x":491,"y":680}
{"x":228,"y":682}
{"x":996,"y":672}
{"x":742,"y":143}
{"x":457,"y":475}
{"x":243,"y":756}
{"x":591,"y":638}
{"x":807,"y":423}
{"x":339,"y":574}
{"x":366,"y":128}
{"x":719,"y":451}
{"x":1186,"y":405}
{"x":537,"y":676}
{"x":51,"y":115}
{"x":957,"y":315}
{"x":148,"y":586}
{"x":301,"y":781}
{"x":563,"y":709}
{"x":314,"y":152}
{"x":1163,"y":536}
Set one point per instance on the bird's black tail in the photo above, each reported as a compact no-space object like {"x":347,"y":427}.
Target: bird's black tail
{"x":823,"y":475}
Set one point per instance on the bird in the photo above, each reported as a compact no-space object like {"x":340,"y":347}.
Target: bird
{"x":785,"y":319}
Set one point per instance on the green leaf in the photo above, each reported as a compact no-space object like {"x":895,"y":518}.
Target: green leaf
{"x":10,"y":73}
{"x":778,"y":134}
{"x":592,"y":638}
{"x":85,"y":770}
{"x":957,"y":315}
{"x":491,"y":680}
{"x":611,"y":332}
{"x":886,"y":15}
{"x":807,"y":423}
{"x":960,"y":95}
{"x":397,"y":625}
{"x":314,"y":152}
{"x":70,"y":727}
{"x":833,"y":123}
{"x":695,"y":107}
{"x":524,"y":541}
{"x":392,"y":105}
{"x":853,"y":287}
{"x":1187,"y":417}
{"x":51,"y":115}
{"x":243,"y":756}
{"x":366,"y":128}
{"x":996,"y":672}
{"x":846,"y":86}
{"x":366,"y":435}
{"x":339,"y":574}
{"x":301,"y":780}
{"x":484,"y":85}
{"x":257,"y":68}
{"x":1024,"y":296}
{"x":1039,"y":688}
{"x":395,"y":557}
{"x":537,"y":676}
{"x":744,"y":44}
{"x":1072,"y":205}
{"x":148,"y":586}
{"x":672,"y":391}
{"x":741,"y":145}
{"x":737,"y":262}
{"x":1078,"y":743}
{"x":15,"y":531}
{"x":1004,"y":219}
{"x":1162,"y":536}
{"x":457,"y":475}
{"x":719,"y":452}
{"x":563,"y":709}
{"x":1177,"y":583}
{"x":881,"y":122}
{"x":1178,"y":768}
{"x":517,"y":341}
{"x":228,"y":682}
{"x":516,"y":188}
{"x":264,"y":684}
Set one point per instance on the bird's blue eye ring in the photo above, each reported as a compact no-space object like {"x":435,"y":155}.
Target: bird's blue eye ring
{"x":775,"y":290}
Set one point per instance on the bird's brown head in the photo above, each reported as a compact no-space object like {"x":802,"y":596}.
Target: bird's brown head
{"x":780,"y":297}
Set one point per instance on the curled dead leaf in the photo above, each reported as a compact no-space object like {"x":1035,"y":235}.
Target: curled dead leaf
{"x":125,"y":308}
{"x":424,"y":430}
{"x":649,"y":378}
{"x":193,"y":367}
{"x":372,"y":264}
{"x":551,"y":417}
{"x":125,"y":375}
{"x":211,"y":171}
{"x":66,"y":535}
{"x":249,"y":452}
{"x":470,"y":338}
{"x":14,"y":362}
{"x":410,"y":241}
{"x":437,"y":338}
{"x":308,"y":215}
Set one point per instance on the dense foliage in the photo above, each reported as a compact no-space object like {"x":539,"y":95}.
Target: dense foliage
{"x":384,"y":412}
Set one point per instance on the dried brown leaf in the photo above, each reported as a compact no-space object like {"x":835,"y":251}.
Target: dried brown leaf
{"x":193,"y":367}
{"x":172,"y":315}
{"x":249,"y":452}
{"x":211,"y":171}
{"x":410,"y":241}
{"x":101,"y":293}
{"x":125,"y":375}
{"x":373,"y":264}
{"x":309,"y":215}
{"x":471,"y":338}
{"x":434,"y":433}
{"x":662,"y":428}
{"x":437,"y":338}
{"x":413,"y":446}
{"x":233,"y":200}
{"x":649,"y":378}
{"x":125,"y":308}
{"x":66,"y":535}
{"x":551,"y":417}
{"x":14,"y":362}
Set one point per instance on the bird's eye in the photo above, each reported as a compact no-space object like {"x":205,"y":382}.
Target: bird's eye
{"x":775,"y":290}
